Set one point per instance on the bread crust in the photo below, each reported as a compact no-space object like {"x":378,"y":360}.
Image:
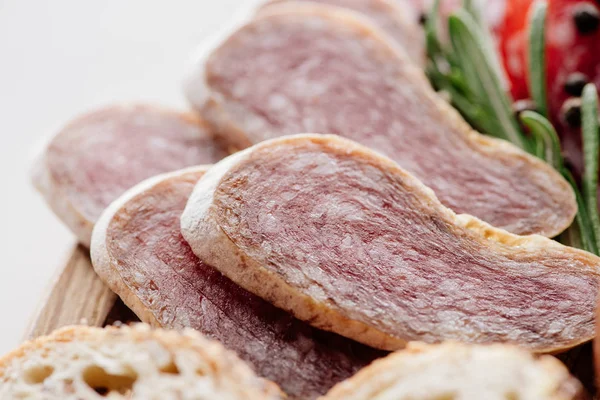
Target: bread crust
{"x":220,"y":112}
{"x":380,"y":378}
{"x":102,"y":262}
{"x":208,"y":241}
{"x":53,"y":192}
{"x":55,"y":197}
{"x":223,"y":364}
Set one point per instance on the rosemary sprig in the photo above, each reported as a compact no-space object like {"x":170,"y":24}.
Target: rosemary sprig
{"x":474,"y":10}
{"x":446,"y":73}
{"x":590,"y":131}
{"x":470,"y":72}
{"x":587,"y":209}
{"x":537,"y":57}
{"x":548,"y":147}
{"x":545,"y":138}
{"x":582,"y":225}
{"x":434,"y":47}
{"x":480,"y":76}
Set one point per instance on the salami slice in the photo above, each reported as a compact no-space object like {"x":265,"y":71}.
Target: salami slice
{"x":139,"y":252}
{"x":345,"y":239}
{"x":397,"y":22}
{"x":100,"y":155}
{"x":457,"y":371}
{"x":303,"y":68}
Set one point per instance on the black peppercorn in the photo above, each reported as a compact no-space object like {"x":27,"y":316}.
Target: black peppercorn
{"x":575,"y":84}
{"x":587,"y":18}
{"x":571,"y":112}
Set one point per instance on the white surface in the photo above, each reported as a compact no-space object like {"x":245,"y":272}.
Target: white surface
{"x":59,"y":58}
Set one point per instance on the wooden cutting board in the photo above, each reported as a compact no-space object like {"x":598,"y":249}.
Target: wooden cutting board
{"x":77,"y":295}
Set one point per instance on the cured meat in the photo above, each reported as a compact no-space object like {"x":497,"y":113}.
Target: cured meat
{"x":389,"y":16}
{"x":303,"y":68}
{"x":457,"y":371}
{"x":414,"y":9}
{"x":345,"y":239}
{"x":139,"y":252}
{"x":100,"y":155}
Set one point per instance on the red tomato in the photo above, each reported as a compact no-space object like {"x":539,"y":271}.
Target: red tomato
{"x":572,"y":51}
{"x":569,"y":48}
{"x":513,"y":46}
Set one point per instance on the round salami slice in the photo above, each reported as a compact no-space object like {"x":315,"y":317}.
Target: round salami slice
{"x":139,"y":252}
{"x":100,"y":155}
{"x":397,"y":22}
{"x":344,"y":238}
{"x":305,"y":68}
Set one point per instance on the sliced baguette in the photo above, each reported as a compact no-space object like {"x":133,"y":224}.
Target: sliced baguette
{"x":128,"y":363}
{"x":453,"y":371}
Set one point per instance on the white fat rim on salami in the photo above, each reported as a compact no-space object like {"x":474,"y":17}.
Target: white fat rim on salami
{"x":98,"y":250}
{"x":195,"y":87}
{"x":194,"y":84}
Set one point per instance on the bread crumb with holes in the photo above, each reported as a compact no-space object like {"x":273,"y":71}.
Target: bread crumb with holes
{"x":128,"y":363}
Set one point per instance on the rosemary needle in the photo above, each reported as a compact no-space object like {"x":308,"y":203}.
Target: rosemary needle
{"x":589,"y":123}
{"x":548,"y":147}
{"x":469,"y":71}
{"x":548,"y":144}
{"x":479,"y":74}
{"x":537,"y":57}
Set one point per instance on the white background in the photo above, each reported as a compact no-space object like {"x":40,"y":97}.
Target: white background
{"x":57,"y":59}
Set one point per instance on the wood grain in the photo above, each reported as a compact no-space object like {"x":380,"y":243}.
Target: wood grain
{"x":75,"y":295}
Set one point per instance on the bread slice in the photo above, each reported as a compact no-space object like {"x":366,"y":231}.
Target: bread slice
{"x":453,"y":371}
{"x":80,"y":363}
{"x":101,"y":154}
{"x":345,"y":239}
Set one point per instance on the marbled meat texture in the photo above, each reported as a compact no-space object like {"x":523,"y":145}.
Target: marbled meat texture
{"x":170,"y":287}
{"x":100,"y":155}
{"x":344,"y":238}
{"x":307,"y":69}
{"x":390,"y":17}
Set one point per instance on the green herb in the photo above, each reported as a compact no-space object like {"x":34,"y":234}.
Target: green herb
{"x":537,"y":57}
{"x":547,"y":147}
{"x":590,"y":131}
{"x":487,"y":39}
{"x":434,"y":47}
{"x":545,"y":139}
{"x":582,"y":227}
{"x":478,"y":74}
{"x":469,"y":71}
